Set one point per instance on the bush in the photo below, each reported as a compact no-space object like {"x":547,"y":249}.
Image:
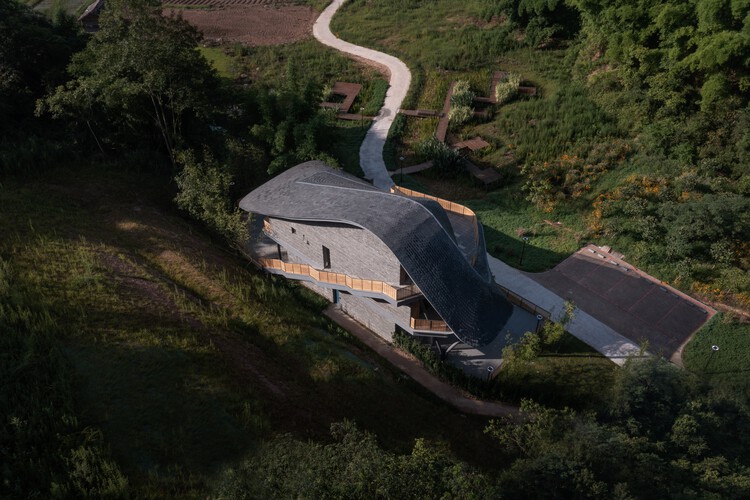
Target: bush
{"x":204,"y":193}
{"x":507,"y":89}
{"x":462,"y":94}
{"x":460,"y":114}
{"x":445,"y":159}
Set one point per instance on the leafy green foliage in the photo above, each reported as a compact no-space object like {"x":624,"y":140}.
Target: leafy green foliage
{"x":462,"y":94}
{"x":204,"y":186}
{"x":126,"y":99}
{"x":353,"y":466}
{"x":507,"y":89}
{"x":33,"y":56}
{"x":632,"y":453}
{"x":445,"y":159}
{"x":292,"y":126}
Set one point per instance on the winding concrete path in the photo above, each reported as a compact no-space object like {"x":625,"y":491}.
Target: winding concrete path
{"x":371,"y":152}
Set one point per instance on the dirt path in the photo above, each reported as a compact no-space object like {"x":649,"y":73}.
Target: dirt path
{"x":419,"y":373}
{"x":371,"y":152}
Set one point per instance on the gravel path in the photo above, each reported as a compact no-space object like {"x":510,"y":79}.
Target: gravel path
{"x":371,"y":152}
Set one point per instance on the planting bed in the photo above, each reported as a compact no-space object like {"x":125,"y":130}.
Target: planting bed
{"x":252,"y":22}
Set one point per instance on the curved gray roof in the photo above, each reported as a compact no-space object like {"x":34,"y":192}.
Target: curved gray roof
{"x":417,"y":232}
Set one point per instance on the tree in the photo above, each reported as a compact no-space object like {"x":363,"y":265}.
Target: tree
{"x":139,"y":81}
{"x":33,"y":56}
{"x":292,"y":127}
{"x":204,"y":186}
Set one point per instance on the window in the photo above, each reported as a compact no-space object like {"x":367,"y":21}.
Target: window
{"x":326,"y":258}
{"x":294,"y":231}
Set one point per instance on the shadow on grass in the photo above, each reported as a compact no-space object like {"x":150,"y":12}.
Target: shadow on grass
{"x":345,"y":146}
{"x":512,"y":251}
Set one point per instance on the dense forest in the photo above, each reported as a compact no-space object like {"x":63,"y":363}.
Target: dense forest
{"x":138,"y":97}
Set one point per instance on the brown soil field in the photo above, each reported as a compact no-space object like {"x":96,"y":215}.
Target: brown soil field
{"x":252,"y":22}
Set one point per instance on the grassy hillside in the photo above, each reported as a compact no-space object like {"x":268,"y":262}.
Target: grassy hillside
{"x":182,"y":358}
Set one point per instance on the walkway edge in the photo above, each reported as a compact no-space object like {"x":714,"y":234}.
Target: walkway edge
{"x":416,"y":371}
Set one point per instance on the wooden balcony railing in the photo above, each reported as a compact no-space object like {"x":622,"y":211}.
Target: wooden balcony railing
{"x":430,"y":325}
{"x":447,"y":205}
{"x":363,"y":285}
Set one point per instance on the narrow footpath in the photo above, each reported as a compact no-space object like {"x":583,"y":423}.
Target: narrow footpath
{"x":371,"y":152}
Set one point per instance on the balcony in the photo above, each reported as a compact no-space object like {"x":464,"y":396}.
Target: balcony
{"x":430,"y":325}
{"x":396,"y":293}
{"x":425,"y":319}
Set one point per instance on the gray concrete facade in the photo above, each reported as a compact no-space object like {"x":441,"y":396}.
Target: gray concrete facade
{"x":354,"y":251}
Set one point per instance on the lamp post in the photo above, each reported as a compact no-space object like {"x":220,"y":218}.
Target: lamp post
{"x":714,"y":349}
{"x":539,"y":319}
{"x":362,"y":117}
{"x":401,"y":159}
{"x":523,"y":249}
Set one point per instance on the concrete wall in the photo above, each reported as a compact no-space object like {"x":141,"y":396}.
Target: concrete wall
{"x":354,"y":251}
{"x":380,"y":317}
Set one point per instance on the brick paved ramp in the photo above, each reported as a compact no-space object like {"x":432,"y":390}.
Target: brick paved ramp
{"x":628,"y":300}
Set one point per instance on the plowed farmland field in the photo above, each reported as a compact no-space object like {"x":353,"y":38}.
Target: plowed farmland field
{"x":252,"y":22}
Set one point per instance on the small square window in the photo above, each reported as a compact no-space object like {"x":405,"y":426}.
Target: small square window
{"x":294,"y":231}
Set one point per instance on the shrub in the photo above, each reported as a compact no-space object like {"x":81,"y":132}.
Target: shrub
{"x":445,"y":159}
{"x":460,"y":115}
{"x":462,"y":94}
{"x":507,"y":89}
{"x":204,"y":193}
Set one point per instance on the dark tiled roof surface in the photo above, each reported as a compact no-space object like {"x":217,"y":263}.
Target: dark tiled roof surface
{"x":415,"y":231}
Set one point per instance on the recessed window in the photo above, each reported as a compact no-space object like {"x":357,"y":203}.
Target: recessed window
{"x":326,"y":258}
{"x":294,"y":231}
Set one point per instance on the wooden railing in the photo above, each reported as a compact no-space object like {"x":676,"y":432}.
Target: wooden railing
{"x":430,"y":325}
{"x":448,"y":206}
{"x":359,"y":284}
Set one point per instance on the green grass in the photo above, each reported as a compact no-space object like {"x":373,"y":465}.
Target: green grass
{"x":572,"y":375}
{"x":505,"y":213}
{"x":345,"y":147}
{"x":729,"y":365}
{"x":442,"y":33}
{"x":441,"y":42}
{"x":274,"y":65}
{"x":222,"y":62}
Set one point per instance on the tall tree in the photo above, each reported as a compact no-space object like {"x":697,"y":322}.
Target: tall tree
{"x":140,"y":79}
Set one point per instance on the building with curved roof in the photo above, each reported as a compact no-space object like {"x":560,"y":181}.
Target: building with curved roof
{"x":397,"y":260}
